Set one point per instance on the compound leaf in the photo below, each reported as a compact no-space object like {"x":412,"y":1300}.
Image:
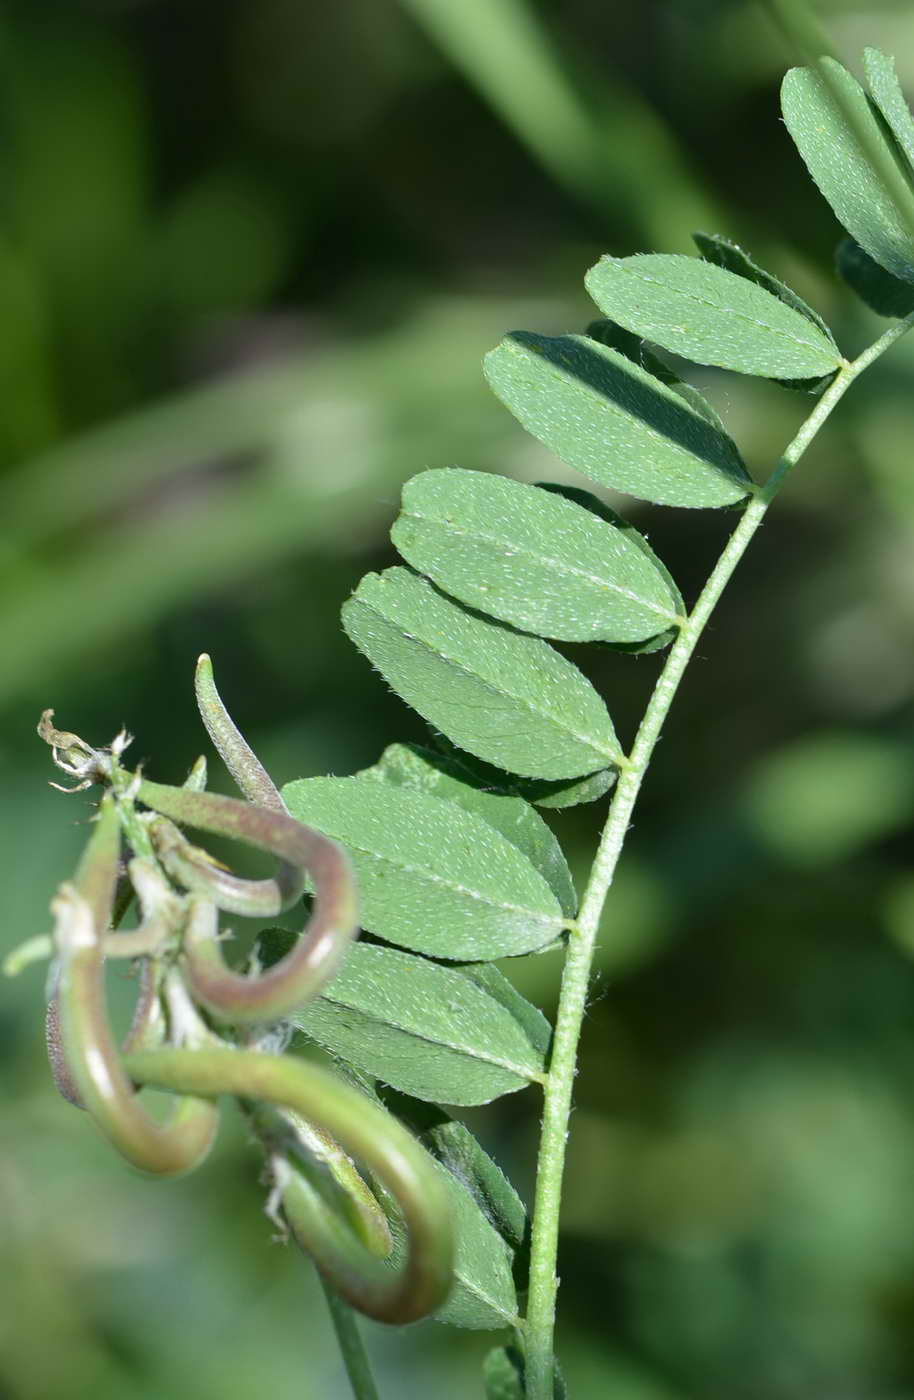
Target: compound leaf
{"x":531,"y":558}
{"x":431,"y":875}
{"x":430,"y":1031}
{"x":607,"y":417}
{"x":708,"y":314}
{"x":840,"y":145}
{"x":409,"y":766}
{"x":510,"y":699}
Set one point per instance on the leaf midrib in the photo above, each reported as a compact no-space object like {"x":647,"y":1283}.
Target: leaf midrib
{"x":456,"y":887}
{"x":523,"y":1072}
{"x":557,"y":564}
{"x":728,"y":310}
{"x":735,"y":472}
{"x":613,"y":755}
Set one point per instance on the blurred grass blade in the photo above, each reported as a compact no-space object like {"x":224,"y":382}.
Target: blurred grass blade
{"x":502,"y":49}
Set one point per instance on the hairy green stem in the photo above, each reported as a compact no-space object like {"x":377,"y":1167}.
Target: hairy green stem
{"x":543,"y":1283}
{"x":352,"y":1348}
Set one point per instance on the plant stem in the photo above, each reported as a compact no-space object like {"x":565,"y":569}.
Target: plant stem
{"x":352,"y":1348}
{"x":543,"y":1283}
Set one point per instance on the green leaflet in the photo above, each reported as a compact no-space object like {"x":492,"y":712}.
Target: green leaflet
{"x":454,"y":1146}
{"x":483,"y":1296}
{"x":859,"y":193}
{"x":592,"y":503}
{"x":554,"y":795}
{"x":510,"y":699}
{"x":430,"y":1031}
{"x":710,"y":315}
{"x":407,"y":765}
{"x":589,"y":789}
{"x":723,"y":252}
{"x":531,"y":558}
{"x":885,"y":90}
{"x":431,"y":875}
{"x":635,"y":349}
{"x":882,"y":293}
{"x":496,"y":985}
{"x":714,"y":248}
{"x":610,"y":419}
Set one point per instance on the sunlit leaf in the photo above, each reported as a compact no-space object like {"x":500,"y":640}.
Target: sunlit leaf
{"x":723,"y":252}
{"x":635,"y":348}
{"x":607,"y":417}
{"x":510,"y":699}
{"x":714,"y":248}
{"x":428,"y":1030}
{"x":407,"y":765}
{"x":592,"y":503}
{"x":885,"y":90}
{"x":431,"y":875}
{"x":708,"y":314}
{"x":531,"y":558}
{"x":839,"y":156}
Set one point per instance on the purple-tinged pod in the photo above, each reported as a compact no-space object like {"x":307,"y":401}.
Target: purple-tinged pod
{"x":195,"y":869}
{"x":419,"y":1280}
{"x":313,"y":961}
{"x":82,"y":911}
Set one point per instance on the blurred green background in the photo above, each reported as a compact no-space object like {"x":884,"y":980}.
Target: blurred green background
{"x":251,"y":255}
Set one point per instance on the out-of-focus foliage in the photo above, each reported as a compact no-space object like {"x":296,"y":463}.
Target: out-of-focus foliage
{"x":251,"y":256}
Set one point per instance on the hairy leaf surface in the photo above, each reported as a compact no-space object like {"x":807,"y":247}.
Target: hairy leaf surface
{"x":510,"y":699}
{"x":710,"y":315}
{"x":407,"y":765}
{"x":430,"y":1031}
{"x":595,"y":506}
{"x":723,"y":252}
{"x":458,"y":1150}
{"x":858,"y":193}
{"x":635,"y":348}
{"x":531,"y":558}
{"x":607,"y":417}
{"x":885,"y":90}
{"x":431,"y":875}
{"x":483,"y":1296}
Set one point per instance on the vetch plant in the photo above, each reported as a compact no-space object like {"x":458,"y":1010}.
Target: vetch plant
{"x":441,"y":852}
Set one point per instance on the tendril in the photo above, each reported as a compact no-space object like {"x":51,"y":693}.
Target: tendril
{"x":399,"y":1292}
{"x":312,"y":1125}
